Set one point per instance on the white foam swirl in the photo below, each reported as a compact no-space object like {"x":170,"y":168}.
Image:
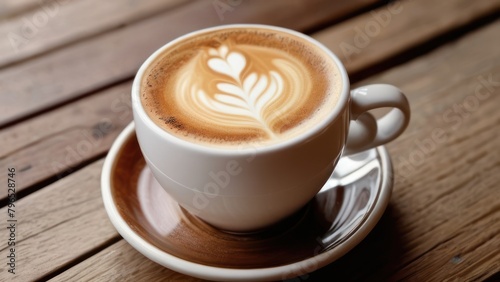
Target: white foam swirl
{"x":241,"y":88}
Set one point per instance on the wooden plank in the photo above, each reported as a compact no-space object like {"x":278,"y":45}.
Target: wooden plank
{"x":46,"y":134}
{"x":374,"y":37}
{"x":126,"y":260}
{"x":34,"y":147}
{"x":466,"y":256}
{"x":56,"y":77}
{"x":39,"y":88}
{"x":441,"y":223}
{"x":424,"y":202}
{"x":55,"y":142}
{"x":57,"y":225}
{"x":444,"y":192}
{"x":9,"y":8}
{"x":59,"y":22}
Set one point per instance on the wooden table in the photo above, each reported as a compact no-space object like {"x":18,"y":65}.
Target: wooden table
{"x":65,"y":74}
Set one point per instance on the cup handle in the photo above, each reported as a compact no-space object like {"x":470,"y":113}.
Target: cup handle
{"x":365,"y":131}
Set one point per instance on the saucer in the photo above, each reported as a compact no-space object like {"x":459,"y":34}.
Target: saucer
{"x":337,"y":219}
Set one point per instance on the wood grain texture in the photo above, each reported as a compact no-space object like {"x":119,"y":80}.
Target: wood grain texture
{"x":443,"y":219}
{"x":73,"y":125}
{"x":373,"y":37}
{"x":442,"y":222}
{"x":75,"y":70}
{"x":9,"y":8}
{"x":53,"y":144}
{"x":59,"y":22}
{"x":57,"y":225}
{"x":120,"y":262}
{"x":446,"y":201}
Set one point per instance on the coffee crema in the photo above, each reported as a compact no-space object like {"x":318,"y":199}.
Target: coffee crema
{"x":238,"y":86}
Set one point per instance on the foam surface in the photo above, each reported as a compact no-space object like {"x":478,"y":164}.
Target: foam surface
{"x":240,"y":86}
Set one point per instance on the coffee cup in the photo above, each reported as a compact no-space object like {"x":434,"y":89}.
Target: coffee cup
{"x":243,"y":124}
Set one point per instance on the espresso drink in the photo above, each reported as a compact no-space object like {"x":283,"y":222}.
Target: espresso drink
{"x":240,"y":86}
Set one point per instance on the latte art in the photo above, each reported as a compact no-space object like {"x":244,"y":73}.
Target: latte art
{"x":248,"y":88}
{"x":239,"y":86}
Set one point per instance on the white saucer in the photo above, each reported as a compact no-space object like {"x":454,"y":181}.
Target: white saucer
{"x":342,"y":214}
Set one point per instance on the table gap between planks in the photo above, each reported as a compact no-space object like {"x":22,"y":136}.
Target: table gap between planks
{"x":59,"y":117}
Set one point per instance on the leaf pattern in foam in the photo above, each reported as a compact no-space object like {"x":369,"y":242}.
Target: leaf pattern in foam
{"x":243,"y":96}
{"x":251,"y":89}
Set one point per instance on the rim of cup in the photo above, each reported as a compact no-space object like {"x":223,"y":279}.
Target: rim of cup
{"x":246,"y":149}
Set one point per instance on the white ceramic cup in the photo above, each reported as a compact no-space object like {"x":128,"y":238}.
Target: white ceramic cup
{"x":250,"y":188}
